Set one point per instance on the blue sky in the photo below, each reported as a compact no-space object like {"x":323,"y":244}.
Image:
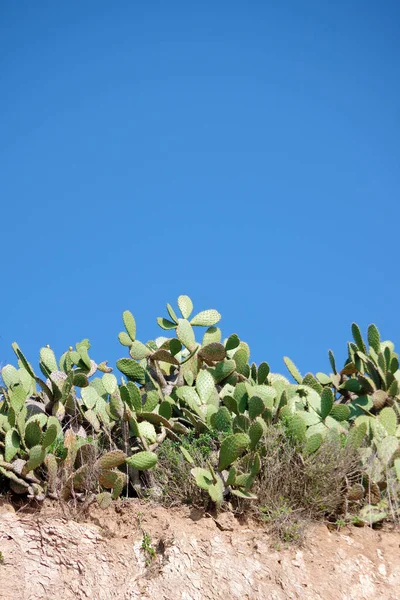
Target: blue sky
{"x":245,"y":154}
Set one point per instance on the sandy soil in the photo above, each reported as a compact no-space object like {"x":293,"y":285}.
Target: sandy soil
{"x":47,"y":556}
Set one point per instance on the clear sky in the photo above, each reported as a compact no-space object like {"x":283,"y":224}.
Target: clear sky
{"x":243,"y":153}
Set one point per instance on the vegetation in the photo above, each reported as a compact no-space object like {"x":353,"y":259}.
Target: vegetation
{"x":196,"y":422}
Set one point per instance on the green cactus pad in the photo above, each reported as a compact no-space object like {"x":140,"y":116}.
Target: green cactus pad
{"x":206,"y":318}
{"x":221,"y":420}
{"x":293,"y":370}
{"x":134,"y":427}
{"x":131,"y":396}
{"x":223,"y":370}
{"x":313,"y":443}
{"x":48,"y":360}
{"x":116,"y":406}
{"x":256,"y":407}
{"x":212,"y":353}
{"x":340,"y":412}
{"x":138,"y":351}
{"x":388,"y":419}
{"x":241,"y":395}
{"x":262,"y":373}
{"x":372,"y":514}
{"x":256,"y":431}
{"x":172,"y":313}
{"x":203,"y":477}
{"x":37,"y":455}
{"x":130,"y":324}
{"x":374,"y":338}
{"x":17,"y":398}
{"x":142,"y":461}
{"x":92,"y":419}
{"x":109,"y":382}
{"x":12,"y":444}
{"x":148,"y":431}
{"x":185,"y":334}
{"x":216,"y":492}
{"x":212,"y":335}
{"x":49,"y":436}
{"x":33,"y":434}
{"x":297,"y":427}
{"x":10,"y":376}
{"x":120,"y":482}
{"x":205,"y":386}
{"x":131,"y":369}
{"x":241,"y":424}
{"x":244,"y":494}
{"x":80,"y":380}
{"x":185,"y":306}
{"x":232,"y":342}
{"x":358,"y":338}
{"x":241,"y":358}
{"x":165,"y":409}
{"x":231,"y":404}
{"x":89,"y":396}
{"x":124,"y":339}
{"x":255,"y":466}
{"x":232,"y":447}
{"x":22,"y":359}
{"x":111,"y":459}
{"x":165,"y":323}
{"x":245,"y":480}
{"x":387,"y":448}
{"x":266,"y":392}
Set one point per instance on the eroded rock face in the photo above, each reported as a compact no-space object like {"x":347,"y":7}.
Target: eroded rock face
{"x":46,"y":556}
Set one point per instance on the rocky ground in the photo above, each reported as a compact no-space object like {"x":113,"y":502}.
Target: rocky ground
{"x":135,"y":551}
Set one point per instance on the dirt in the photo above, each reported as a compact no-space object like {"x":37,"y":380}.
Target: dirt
{"x":45,"y":555}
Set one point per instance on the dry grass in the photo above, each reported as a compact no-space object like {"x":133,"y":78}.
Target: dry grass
{"x":173,"y":484}
{"x":293,"y":490}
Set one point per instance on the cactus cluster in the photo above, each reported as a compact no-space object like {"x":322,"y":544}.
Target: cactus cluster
{"x":172,"y":385}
